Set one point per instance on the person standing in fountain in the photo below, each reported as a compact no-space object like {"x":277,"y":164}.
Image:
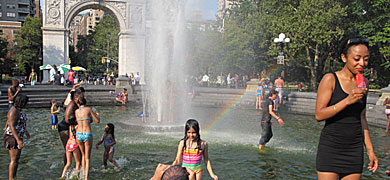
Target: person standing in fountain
{"x":259,"y":95}
{"x":84,"y":116}
{"x":15,"y":129}
{"x":54,"y":110}
{"x":387,"y":112}
{"x":279,"y":83}
{"x":109,"y":141}
{"x":70,"y":108}
{"x":267,"y":112}
{"x":191,"y":149}
{"x":343,"y":107}
{"x":72,"y":148}
{"x":13,"y":91}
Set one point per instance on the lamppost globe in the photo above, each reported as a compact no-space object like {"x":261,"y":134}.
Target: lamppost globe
{"x":281,"y":40}
{"x":282,"y":36}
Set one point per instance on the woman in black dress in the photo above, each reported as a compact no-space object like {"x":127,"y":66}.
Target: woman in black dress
{"x":343,"y":107}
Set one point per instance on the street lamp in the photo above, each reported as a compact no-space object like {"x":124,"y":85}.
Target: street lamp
{"x":108,"y":49}
{"x":281,"y":40}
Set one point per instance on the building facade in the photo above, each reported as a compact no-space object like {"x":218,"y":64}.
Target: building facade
{"x":223,"y":5}
{"x":17,"y":10}
{"x":94,"y":18}
{"x":8,"y":30}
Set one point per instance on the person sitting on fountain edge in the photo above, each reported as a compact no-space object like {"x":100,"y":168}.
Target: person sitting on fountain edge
{"x":267,"y":112}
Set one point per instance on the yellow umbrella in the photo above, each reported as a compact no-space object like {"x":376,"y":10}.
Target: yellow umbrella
{"x":78,"y":68}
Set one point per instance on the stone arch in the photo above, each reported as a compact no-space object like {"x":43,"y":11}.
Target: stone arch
{"x":77,"y":8}
{"x":130,"y":16}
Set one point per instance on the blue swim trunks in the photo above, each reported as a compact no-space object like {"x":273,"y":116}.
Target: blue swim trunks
{"x":54,"y":120}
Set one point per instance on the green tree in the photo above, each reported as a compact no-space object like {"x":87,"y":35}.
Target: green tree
{"x":377,"y":27}
{"x":205,"y":51}
{"x":28,"y":44}
{"x":92,"y":47}
{"x":3,"y":54}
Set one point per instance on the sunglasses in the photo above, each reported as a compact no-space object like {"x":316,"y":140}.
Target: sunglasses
{"x":357,"y":41}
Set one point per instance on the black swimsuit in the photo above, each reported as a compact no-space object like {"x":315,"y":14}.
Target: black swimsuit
{"x":340,"y":149}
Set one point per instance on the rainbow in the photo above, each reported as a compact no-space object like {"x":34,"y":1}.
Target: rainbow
{"x":217,"y":120}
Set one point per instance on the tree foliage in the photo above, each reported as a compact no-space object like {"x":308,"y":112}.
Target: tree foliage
{"x":28,"y":45}
{"x":92,"y":47}
{"x":315,"y":27}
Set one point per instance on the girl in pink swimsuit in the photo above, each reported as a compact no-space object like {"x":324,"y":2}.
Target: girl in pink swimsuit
{"x":72,"y":148}
{"x":191,"y":149}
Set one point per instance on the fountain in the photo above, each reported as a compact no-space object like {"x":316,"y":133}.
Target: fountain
{"x":165,"y":92}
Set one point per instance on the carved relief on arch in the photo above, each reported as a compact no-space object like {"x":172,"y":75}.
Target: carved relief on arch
{"x":120,"y":6}
{"x":53,"y":12}
{"x":136,"y":17}
{"x":71,"y":3}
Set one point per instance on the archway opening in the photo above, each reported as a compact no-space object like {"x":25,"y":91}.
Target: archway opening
{"x":93,"y":41}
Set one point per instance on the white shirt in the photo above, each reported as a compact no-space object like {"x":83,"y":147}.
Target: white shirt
{"x":228,"y":79}
{"x":52,"y":73}
{"x":205,"y":78}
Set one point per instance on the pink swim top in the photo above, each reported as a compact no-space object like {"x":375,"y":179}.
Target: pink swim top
{"x":192,"y":158}
{"x":71,"y":145}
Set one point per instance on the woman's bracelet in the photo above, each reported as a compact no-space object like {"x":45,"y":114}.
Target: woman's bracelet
{"x":334,"y":107}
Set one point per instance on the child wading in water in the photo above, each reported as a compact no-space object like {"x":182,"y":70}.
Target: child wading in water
{"x":54,"y":110}
{"x":191,"y":149}
{"x":72,"y":148}
{"x":109,"y":141}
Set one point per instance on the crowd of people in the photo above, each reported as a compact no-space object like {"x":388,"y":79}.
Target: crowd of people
{"x":341,"y":103}
{"x":56,"y":77}
{"x":74,"y":130}
{"x":227,"y":81}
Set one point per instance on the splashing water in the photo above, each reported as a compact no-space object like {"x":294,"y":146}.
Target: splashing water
{"x":165,"y":70}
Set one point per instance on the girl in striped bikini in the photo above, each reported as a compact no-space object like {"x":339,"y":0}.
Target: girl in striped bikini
{"x":191,"y":149}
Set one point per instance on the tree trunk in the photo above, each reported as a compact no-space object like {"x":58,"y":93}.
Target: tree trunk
{"x":313,"y":69}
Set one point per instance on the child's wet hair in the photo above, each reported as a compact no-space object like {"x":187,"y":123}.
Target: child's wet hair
{"x":81,"y":100}
{"x":192,"y":123}
{"x":111,"y":129}
{"x":20,"y":101}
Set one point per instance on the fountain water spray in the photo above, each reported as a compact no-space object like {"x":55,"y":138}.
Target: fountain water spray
{"x":165,"y":69}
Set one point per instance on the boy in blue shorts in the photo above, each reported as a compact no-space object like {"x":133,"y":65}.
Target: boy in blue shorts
{"x":54,"y":110}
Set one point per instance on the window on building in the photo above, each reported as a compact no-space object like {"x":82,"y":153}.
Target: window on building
{"x":1,"y":31}
{"x":97,"y":18}
{"x":1,"y":14}
{"x":9,"y":14}
{"x":11,"y":6}
{"x":0,"y":5}
{"x":14,"y":32}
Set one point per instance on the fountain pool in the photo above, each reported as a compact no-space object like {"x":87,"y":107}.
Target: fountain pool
{"x":233,"y":139}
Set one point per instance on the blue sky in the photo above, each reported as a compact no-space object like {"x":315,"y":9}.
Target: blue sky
{"x":209,"y":8}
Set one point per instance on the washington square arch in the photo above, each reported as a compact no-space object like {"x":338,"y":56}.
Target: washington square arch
{"x":129,"y":14}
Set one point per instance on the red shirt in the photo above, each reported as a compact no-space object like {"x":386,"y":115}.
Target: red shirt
{"x":71,"y":76}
